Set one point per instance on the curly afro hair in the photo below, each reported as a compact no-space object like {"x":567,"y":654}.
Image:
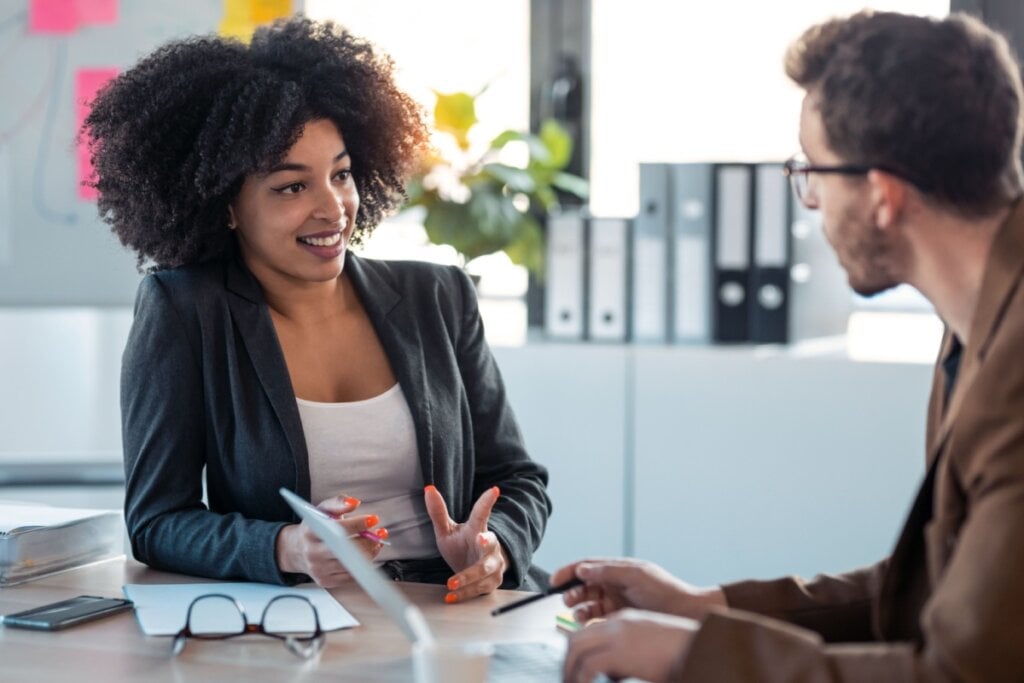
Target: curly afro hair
{"x":173,"y":138}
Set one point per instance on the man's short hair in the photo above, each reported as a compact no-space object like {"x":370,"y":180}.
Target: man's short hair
{"x":937,"y":101}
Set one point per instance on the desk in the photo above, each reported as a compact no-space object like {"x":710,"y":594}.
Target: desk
{"x":114,"y":649}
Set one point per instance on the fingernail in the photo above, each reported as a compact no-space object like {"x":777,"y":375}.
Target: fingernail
{"x":482,"y":540}
{"x":497,"y":491}
{"x":453,"y":584}
{"x":451,"y":598}
{"x":429,"y":486}
{"x":382,"y":533}
{"x":351,"y":502}
{"x":582,"y":571}
{"x":372,"y":520}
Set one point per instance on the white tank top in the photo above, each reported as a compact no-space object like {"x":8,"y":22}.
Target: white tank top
{"x":367,"y":449}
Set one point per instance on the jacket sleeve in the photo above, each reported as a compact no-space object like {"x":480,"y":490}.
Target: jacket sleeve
{"x":520,"y":515}
{"x":164,"y":439}
{"x":837,"y":607}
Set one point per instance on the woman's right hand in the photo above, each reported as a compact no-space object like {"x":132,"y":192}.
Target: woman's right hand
{"x":301,"y":551}
{"x":614,"y":584}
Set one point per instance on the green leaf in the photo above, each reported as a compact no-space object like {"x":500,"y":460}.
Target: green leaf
{"x":528,"y":248}
{"x":538,"y":150}
{"x":455,"y":113}
{"x":573,"y":184}
{"x":558,"y":142}
{"x":516,"y":179}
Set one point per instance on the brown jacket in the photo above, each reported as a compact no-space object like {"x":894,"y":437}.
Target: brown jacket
{"x":948,"y":604}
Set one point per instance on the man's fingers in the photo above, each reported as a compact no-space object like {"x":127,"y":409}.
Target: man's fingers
{"x":438,"y":511}
{"x":481,"y":512}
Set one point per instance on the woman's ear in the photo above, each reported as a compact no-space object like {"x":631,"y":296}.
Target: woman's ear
{"x":888,"y":197}
{"x":232,"y":223}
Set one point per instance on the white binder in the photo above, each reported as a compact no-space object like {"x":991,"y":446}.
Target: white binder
{"x":564,"y":293}
{"x":608,"y":284}
{"x":651,"y":256}
{"x":692,"y":229}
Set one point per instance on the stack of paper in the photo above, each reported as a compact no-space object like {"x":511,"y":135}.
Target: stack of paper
{"x":40,"y":539}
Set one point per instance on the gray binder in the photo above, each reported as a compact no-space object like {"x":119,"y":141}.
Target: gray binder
{"x":564,"y":291}
{"x":608,"y":285}
{"x":651,"y":276}
{"x":692,"y":232}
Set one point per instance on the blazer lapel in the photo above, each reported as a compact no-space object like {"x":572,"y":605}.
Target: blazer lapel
{"x":399,"y":332}
{"x":905,"y":586}
{"x":1001,"y":279}
{"x":251,"y":316}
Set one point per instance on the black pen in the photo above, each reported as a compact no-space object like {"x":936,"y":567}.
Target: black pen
{"x":560,"y":588}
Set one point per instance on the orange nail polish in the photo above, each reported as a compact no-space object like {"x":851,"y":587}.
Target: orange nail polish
{"x":497,"y":491}
{"x":351,"y":502}
{"x":482,"y":540}
{"x":382,"y":533}
{"x":453,"y":584}
{"x":429,"y":486}
{"x":451,"y":598}
{"x":372,"y":520}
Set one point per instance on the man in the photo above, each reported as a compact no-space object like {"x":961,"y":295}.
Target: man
{"x":912,"y":133}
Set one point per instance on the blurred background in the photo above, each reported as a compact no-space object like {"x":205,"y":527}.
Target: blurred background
{"x":718,"y":460}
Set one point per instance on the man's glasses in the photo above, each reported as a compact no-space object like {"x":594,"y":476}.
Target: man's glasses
{"x":291,"y":618}
{"x":798,"y":170}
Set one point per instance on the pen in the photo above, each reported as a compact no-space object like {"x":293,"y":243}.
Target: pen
{"x":365,"y":533}
{"x":370,"y":536}
{"x":560,"y":588}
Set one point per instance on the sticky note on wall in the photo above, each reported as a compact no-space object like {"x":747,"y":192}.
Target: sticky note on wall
{"x":53,"y":16}
{"x":87,"y":83}
{"x":97,"y":11}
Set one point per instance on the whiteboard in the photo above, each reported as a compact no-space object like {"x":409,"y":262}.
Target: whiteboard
{"x":54,"y":250}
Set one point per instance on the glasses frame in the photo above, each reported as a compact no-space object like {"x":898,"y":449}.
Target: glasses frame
{"x":796,"y":167}
{"x":294,"y":644}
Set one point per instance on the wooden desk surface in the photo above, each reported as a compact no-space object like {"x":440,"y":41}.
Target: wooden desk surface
{"x":114,"y":649}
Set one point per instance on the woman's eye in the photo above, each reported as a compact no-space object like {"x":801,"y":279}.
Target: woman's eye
{"x":291,"y":189}
{"x":344,"y":175}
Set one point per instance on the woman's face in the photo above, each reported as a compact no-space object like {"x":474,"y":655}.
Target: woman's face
{"x":295,"y":220}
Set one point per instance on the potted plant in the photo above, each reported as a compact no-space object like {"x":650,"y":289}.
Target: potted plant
{"x":481,"y":203}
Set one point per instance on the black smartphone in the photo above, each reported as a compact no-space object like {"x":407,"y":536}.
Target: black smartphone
{"x":65,"y":613}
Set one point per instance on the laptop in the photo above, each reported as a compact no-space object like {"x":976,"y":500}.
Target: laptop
{"x":526,"y":661}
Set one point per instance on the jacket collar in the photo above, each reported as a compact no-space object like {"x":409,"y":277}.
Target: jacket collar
{"x":393,"y":320}
{"x":999,"y":282}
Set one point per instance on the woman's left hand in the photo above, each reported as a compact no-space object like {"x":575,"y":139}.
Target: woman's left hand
{"x":469,"y":548}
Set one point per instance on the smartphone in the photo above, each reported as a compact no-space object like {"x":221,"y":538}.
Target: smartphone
{"x":58,"y":615}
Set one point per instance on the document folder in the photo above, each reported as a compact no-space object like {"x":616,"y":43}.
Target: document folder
{"x":692,"y":213}
{"x":732,"y":252}
{"x":651,"y":276}
{"x":769,"y":276}
{"x":608,"y":286}
{"x":564,"y":304}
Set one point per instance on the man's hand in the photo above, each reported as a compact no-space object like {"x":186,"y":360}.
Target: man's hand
{"x":644,"y":645}
{"x":614,"y":584}
{"x":469,"y":548}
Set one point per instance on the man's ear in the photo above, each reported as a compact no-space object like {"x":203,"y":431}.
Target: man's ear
{"x":888,"y":197}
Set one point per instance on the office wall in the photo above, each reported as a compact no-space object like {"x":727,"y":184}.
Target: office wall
{"x":53,"y":248}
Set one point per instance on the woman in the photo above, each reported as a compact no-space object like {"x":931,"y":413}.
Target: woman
{"x":264,"y":351}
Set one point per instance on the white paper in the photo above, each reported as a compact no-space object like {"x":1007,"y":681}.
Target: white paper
{"x":161,"y":608}
{"x":15,"y":516}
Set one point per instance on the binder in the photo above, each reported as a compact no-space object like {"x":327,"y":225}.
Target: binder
{"x":820,"y":297}
{"x":692,"y":232}
{"x":608,"y":279}
{"x":769,"y":275}
{"x":564,"y":294}
{"x":733,"y":226}
{"x":651,"y":276}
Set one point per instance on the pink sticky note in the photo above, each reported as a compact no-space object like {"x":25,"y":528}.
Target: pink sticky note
{"x":53,"y":16}
{"x":97,"y":11}
{"x":87,"y":82}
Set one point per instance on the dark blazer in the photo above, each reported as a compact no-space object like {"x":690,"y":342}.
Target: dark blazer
{"x":946,"y":604}
{"x":204,"y":385}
